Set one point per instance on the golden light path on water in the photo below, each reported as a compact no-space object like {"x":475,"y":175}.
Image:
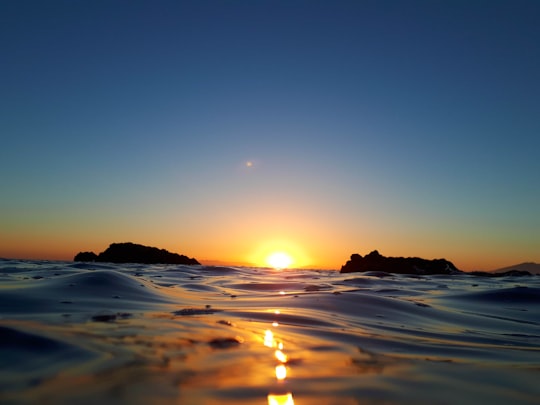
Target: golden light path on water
{"x":284,"y":397}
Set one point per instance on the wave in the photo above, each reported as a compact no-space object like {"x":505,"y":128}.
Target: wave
{"x":518,"y":294}
{"x":27,"y":358}
{"x":127,"y":333}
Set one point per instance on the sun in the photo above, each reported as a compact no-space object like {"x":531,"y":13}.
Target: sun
{"x":279,"y":260}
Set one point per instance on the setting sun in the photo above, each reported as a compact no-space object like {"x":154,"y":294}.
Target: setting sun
{"x":279,"y":260}
{"x":279,"y":253}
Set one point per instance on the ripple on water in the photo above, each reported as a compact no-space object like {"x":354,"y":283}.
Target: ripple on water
{"x":27,"y":358}
{"x":344,"y":339}
{"x":84,"y":291}
{"x":518,"y":294}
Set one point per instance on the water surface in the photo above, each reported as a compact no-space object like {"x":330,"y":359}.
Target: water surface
{"x":170,"y":334}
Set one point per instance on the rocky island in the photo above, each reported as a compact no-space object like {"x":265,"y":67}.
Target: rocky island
{"x":133,"y":253}
{"x":374,"y":261}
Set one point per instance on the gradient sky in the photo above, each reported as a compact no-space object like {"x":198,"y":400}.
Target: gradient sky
{"x":225,"y":130}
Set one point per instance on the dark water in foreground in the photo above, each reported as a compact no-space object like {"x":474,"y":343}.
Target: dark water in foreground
{"x":139,"y":334}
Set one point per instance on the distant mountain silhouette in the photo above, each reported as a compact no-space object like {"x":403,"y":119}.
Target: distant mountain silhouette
{"x":132,"y":253}
{"x":402,"y":265}
{"x":533,"y":268}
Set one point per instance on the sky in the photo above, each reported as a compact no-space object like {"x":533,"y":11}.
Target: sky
{"x":228,"y":130}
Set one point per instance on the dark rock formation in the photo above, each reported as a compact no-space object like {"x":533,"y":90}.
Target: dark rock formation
{"x":401,"y":265}
{"x":133,"y":253}
{"x":85,"y":257}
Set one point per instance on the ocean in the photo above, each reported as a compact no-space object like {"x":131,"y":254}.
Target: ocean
{"x":89,"y":333}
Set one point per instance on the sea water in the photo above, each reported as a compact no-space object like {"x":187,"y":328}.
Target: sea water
{"x":90,"y":333}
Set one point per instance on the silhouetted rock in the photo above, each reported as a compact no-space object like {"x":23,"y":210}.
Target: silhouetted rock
{"x":400,"y":265}
{"x":85,"y":257}
{"x":132,"y":253}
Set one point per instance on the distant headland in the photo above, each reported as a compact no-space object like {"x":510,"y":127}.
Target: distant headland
{"x":133,"y":253}
{"x":375,"y":262}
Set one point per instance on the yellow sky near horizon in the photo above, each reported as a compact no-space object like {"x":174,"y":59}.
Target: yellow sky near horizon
{"x":253,"y":251}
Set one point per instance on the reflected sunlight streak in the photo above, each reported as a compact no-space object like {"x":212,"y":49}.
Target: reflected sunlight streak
{"x":281,"y":356}
{"x":269,"y":338}
{"x":280,"y":369}
{"x":281,"y":372}
{"x":283,"y":399}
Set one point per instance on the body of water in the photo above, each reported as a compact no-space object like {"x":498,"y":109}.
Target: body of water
{"x":102,"y":333}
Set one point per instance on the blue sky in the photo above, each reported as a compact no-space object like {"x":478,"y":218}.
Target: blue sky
{"x":408,"y":127}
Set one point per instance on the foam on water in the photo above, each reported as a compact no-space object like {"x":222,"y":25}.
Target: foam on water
{"x":86,"y":333}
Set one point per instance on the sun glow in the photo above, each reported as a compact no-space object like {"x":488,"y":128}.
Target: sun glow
{"x":279,"y":254}
{"x":279,"y":260}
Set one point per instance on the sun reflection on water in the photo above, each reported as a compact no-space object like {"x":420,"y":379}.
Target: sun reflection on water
{"x":280,"y":356}
{"x":281,"y":372}
{"x":284,"y":399}
{"x":280,"y":369}
{"x":269,"y":338}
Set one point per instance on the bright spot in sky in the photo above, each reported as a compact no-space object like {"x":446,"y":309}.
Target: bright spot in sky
{"x":249,"y":163}
{"x":279,"y":260}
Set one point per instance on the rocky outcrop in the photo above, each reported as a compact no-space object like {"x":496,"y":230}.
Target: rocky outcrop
{"x":132,"y":253}
{"x":374,"y":261}
{"x":86,"y":257}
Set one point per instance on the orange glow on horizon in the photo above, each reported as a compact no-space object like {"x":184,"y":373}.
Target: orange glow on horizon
{"x":279,"y":254}
{"x":64,"y":244}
